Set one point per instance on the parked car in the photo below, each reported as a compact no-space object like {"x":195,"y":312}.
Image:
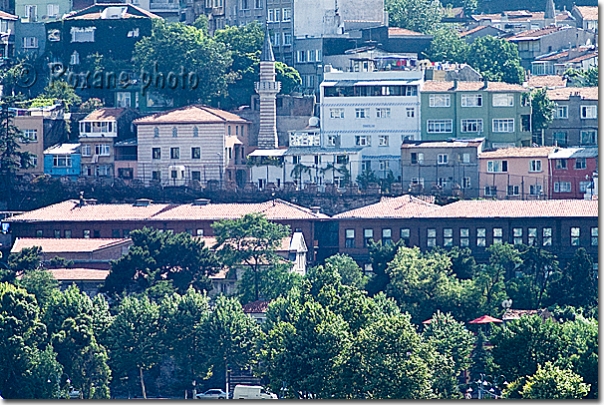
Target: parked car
{"x":214,"y":393}
{"x":251,"y":392}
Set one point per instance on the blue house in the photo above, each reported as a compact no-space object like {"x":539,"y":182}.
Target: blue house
{"x":63,"y":160}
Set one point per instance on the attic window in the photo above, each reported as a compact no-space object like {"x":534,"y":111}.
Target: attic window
{"x":82,"y":34}
{"x":133,"y":33}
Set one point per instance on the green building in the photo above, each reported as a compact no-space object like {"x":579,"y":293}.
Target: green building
{"x":498,"y":112}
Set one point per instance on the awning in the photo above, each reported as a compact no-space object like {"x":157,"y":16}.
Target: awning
{"x":485,"y":319}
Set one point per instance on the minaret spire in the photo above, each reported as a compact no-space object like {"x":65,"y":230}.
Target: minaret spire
{"x":550,"y":12}
{"x":267,"y":88}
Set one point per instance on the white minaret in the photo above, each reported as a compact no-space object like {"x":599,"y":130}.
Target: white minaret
{"x":267,"y":88}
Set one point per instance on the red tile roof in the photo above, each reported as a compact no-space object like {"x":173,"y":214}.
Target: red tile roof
{"x":79,"y":274}
{"x":79,"y":245}
{"x":105,"y":114}
{"x":546,"y":81}
{"x":583,"y":57}
{"x":405,"y":206}
{"x":516,"y":209}
{"x":396,"y":31}
{"x":542,"y":151}
{"x":437,"y":85}
{"x":6,"y":16}
{"x":477,"y":29}
{"x":191,"y":114}
{"x":586,"y":93}
{"x":534,"y":34}
{"x":256,"y":307}
{"x":588,"y":12}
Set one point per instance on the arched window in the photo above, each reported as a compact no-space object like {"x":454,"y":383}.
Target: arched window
{"x":156,"y":132}
{"x":174,"y":132}
{"x":195,"y":131}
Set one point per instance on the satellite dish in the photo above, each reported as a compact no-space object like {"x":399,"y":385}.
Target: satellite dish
{"x":313,"y":122}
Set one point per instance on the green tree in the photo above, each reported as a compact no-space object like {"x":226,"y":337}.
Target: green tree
{"x":496,"y":59}
{"x":365,"y":178}
{"x":250,"y":241}
{"x":60,"y":90}
{"x":551,"y":382}
{"x":156,"y":258}
{"x":414,"y":15}
{"x":542,"y":111}
{"x":41,"y":284}
{"x":538,"y":268}
{"x":349,"y":270}
{"x":202,"y":24}
{"x":447,"y":46}
{"x":288,"y":76}
{"x":577,"y":285}
{"x":134,"y":339}
{"x":274,"y":281}
{"x":582,"y":78}
{"x":380,"y":255}
{"x":206,"y":59}
{"x":228,"y":337}
{"x":25,"y":260}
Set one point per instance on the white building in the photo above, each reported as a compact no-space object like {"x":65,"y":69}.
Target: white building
{"x":371,"y":111}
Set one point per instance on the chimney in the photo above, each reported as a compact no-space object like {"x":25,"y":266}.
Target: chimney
{"x":201,"y":202}
{"x":142,"y":202}
{"x":315,"y":209}
{"x":485,"y":85}
{"x":454,"y":84}
{"x":82,"y":202}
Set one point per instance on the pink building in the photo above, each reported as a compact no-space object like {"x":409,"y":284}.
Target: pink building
{"x":572,"y":172}
{"x":515,"y":173}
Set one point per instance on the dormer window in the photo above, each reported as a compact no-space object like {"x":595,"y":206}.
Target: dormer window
{"x":82,"y":34}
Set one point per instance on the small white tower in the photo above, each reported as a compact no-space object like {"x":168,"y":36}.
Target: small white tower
{"x":267,"y":88}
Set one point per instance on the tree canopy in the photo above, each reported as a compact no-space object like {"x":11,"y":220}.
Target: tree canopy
{"x":415,"y":15}
{"x":496,"y":59}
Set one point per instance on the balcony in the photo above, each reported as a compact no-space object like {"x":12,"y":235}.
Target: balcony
{"x":268,"y":86}
{"x":164,"y":6}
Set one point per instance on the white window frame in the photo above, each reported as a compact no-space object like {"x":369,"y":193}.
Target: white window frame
{"x":471,"y":100}
{"x":52,"y":10}
{"x":86,"y":151}
{"x":383,"y":140}
{"x":562,"y":187}
{"x":287,"y":14}
{"x":29,"y":16}
{"x":102,"y":149}
{"x":362,"y":113}
{"x":287,"y":38}
{"x":362,"y":140}
{"x":410,"y":112}
{"x":336,"y":113}
{"x":496,"y":166}
{"x":442,"y":159}
{"x":82,"y":34}
{"x":503,"y":125}
{"x":30,"y":135}
{"x":471,"y":125}
{"x":382,"y":112}
{"x":535,"y":166}
{"x":30,"y":42}
{"x":440,"y":100}
{"x":589,"y":112}
{"x":591,"y":133}
{"x":561,"y":112}
{"x":439,"y":126}
{"x":503,"y":100}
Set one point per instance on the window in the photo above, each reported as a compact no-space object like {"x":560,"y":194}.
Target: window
{"x":361,"y":113}
{"x":481,"y":237}
{"x":103,"y":171}
{"x":562,"y":187}
{"x":575,"y":234}
{"x":584,"y":186}
{"x":386,"y":236}
{"x":257,"y":4}
{"x":30,"y":42}
{"x":410,"y":112}
{"x":85,"y":150}
{"x":384,"y":165}
{"x":174,"y":132}
{"x":68,"y":233}
{"x":440,"y":100}
{"x":497,"y":166}
{"x":196,"y":175}
{"x":547,"y":236}
{"x":332,"y":140}
{"x":561,"y":112}
{"x":196,"y":132}
{"x":405,"y":235}
{"x":362,"y":140}
{"x":38,"y":233}
{"x":61,"y":161}
{"x":497,"y":235}
{"x":350,"y":238}
{"x":464,"y":157}
{"x":560,"y":139}
{"x":301,"y":54}
{"x":473,"y":125}
{"x":30,"y":135}
{"x":245,"y":5}
{"x":535,"y":189}
{"x":561,"y":164}
{"x":342,"y":159}
{"x":383,"y":140}
{"x":580,"y":164}
{"x":419,"y":181}
{"x":81,"y":34}
{"x":464,"y":237}
{"x":535,"y":165}
{"x":125,"y":173}
{"x":57,"y":233}
{"x":532,"y":236}
{"x":196,"y":153}
{"x":287,"y":38}
{"x":75,"y":58}
{"x":589,"y":111}
{"x":594,"y":236}
{"x":337,"y":113}
{"x":277,"y":15}
{"x":525,"y":123}
{"x":31,"y":13}
{"x":431,"y":241}
{"x":503,"y":125}
{"x":382,"y":112}
{"x":126,"y":233}
{"x":102,"y":149}
{"x":503,"y":100}
{"x":442,"y":182}
{"x":156,"y":132}
{"x":287,"y":14}
{"x":513,"y":190}
{"x":448,"y":237}
{"x":471,"y":100}
{"x":517,"y":234}
{"x":33,"y":161}
{"x":440,"y":126}
{"x":156,"y":153}
{"x":588,"y":137}
{"x":276,"y":39}
{"x":442,"y":159}
{"x":490,"y":191}
{"x":86,"y":233}
{"x":124,"y":99}
{"x":466,"y":183}
{"x":174,"y":174}
{"x":417,"y":158}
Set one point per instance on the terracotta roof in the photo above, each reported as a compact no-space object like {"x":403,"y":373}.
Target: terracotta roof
{"x":534,"y":34}
{"x":437,"y":85}
{"x":477,"y":29}
{"x":191,"y":114}
{"x":542,"y":151}
{"x":256,"y":307}
{"x":405,"y":206}
{"x":396,"y":32}
{"x":583,"y":57}
{"x":277,"y":210}
{"x":52,"y":245}
{"x":586,"y":93}
{"x":71,"y":211}
{"x":553,"y":57}
{"x":210,"y":241}
{"x":79,"y":274}
{"x":588,"y":12}
{"x":6,"y":16}
{"x":105,"y":114}
{"x":516,"y":209}
{"x":546,"y":81}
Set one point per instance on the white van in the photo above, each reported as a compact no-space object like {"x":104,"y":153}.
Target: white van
{"x":251,"y":392}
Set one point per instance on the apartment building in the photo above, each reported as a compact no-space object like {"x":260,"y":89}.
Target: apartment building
{"x":576,"y":117}
{"x":573,"y":172}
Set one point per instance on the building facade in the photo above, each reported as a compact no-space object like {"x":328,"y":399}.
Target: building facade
{"x":573,"y":172}
{"x":63,"y":160}
{"x":498,"y":112}
{"x":576,"y":117}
